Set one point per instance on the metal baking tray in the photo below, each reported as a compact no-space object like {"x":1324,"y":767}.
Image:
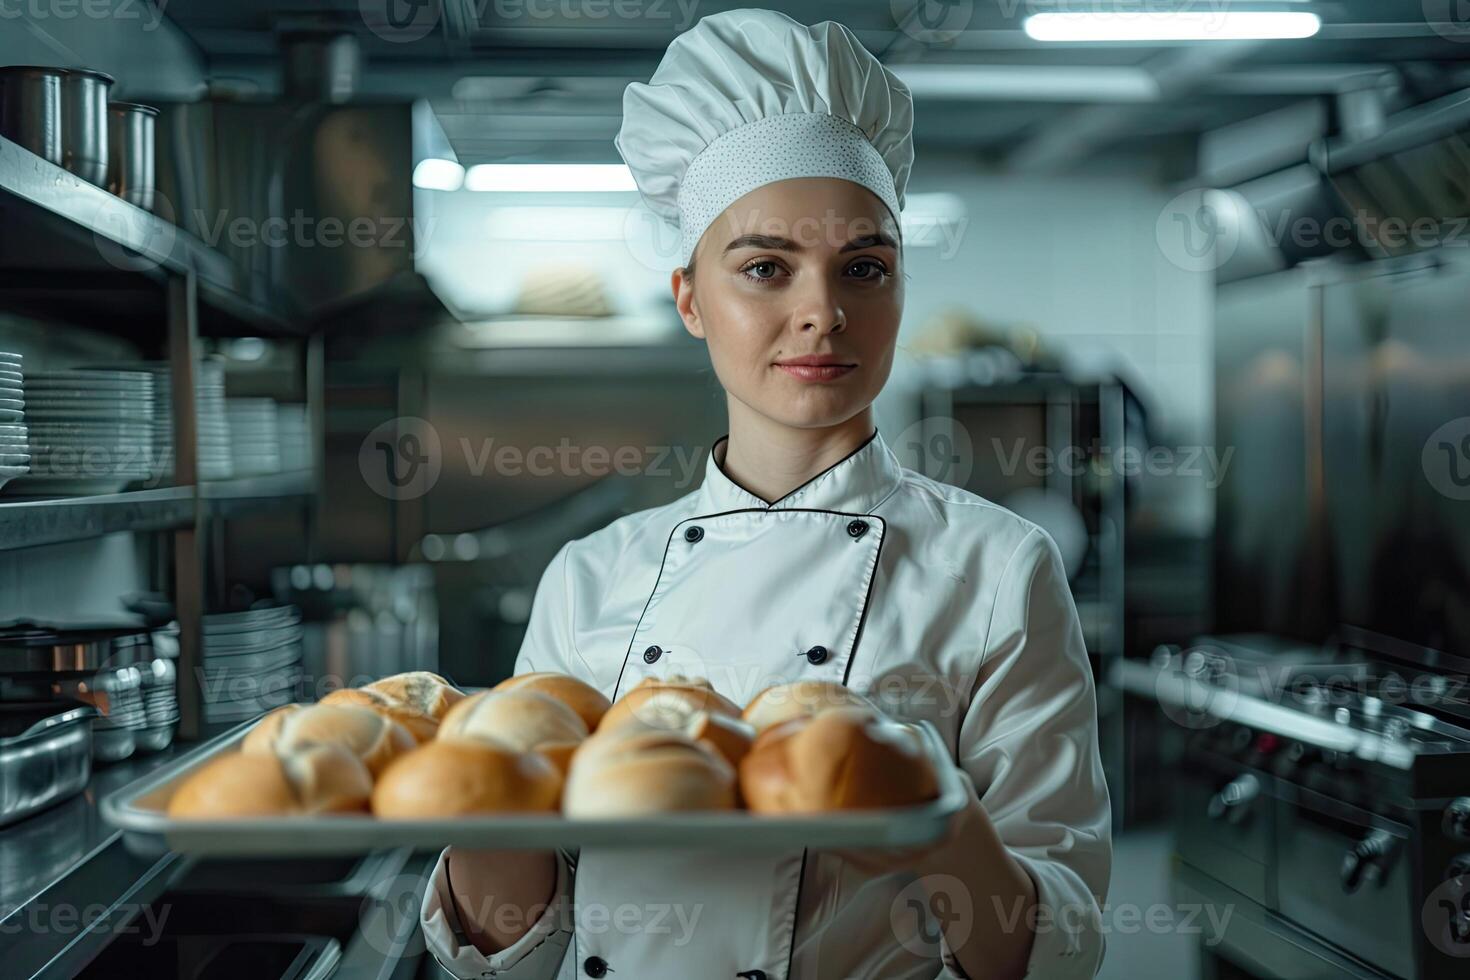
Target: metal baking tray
{"x":139,"y":811}
{"x":47,"y":759}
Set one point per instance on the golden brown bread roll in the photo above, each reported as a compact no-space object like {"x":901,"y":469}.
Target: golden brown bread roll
{"x":799,"y":699}
{"x":319,"y":779}
{"x":840,"y":759}
{"x":525,"y":720}
{"x":420,"y":725}
{"x":587,"y":701}
{"x":632,"y":770}
{"x":452,"y":778}
{"x":727,"y":735}
{"x":262,"y":738}
{"x":375,"y":739}
{"x":426,"y":691}
{"x":653,"y":698}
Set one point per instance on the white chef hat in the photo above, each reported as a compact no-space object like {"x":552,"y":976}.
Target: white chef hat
{"x":748,"y":97}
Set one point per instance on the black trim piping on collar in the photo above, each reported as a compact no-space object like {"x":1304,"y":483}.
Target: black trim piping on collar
{"x":772,"y":503}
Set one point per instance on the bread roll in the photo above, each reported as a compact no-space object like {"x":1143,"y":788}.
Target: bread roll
{"x":426,"y":691}
{"x":261,"y":739}
{"x":652,"y":699}
{"x":525,"y":720}
{"x":419,"y":724}
{"x":840,"y":759}
{"x":375,"y":739}
{"x":799,"y":699}
{"x":727,"y":735}
{"x":631,"y":771}
{"x":319,"y":779}
{"x":587,"y":701}
{"x":450,"y":778}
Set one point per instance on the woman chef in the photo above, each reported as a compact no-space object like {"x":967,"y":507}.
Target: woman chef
{"x":782,"y":151}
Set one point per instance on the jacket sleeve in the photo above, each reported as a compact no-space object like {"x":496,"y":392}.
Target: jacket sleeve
{"x":538,"y":954}
{"x":1029,"y":741}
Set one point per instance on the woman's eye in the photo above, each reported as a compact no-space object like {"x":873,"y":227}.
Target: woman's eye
{"x":751,"y":271}
{"x":874,"y":270}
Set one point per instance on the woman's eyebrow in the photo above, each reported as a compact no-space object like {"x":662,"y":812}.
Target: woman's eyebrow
{"x":781,"y":244}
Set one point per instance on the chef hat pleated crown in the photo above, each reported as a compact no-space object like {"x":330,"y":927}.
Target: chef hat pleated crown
{"x":748,"y":97}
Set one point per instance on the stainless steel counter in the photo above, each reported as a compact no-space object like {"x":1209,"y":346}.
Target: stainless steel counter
{"x":68,"y":887}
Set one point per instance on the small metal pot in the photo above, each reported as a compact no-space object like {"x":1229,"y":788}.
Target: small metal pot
{"x":30,"y":109}
{"x":131,"y":160}
{"x":84,"y":124}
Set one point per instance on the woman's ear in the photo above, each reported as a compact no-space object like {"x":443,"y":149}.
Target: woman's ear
{"x":683,"y":287}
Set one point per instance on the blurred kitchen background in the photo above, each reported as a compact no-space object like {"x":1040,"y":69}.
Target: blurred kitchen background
{"x":371,"y":321}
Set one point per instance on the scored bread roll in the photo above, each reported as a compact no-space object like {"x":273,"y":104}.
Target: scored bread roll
{"x":262,"y":738}
{"x":318,"y":779}
{"x":420,"y":725}
{"x":588,"y":702}
{"x":426,"y":691}
{"x":631,"y":770}
{"x":727,"y":735}
{"x":375,"y":739}
{"x":653,"y":698}
{"x":799,"y":699}
{"x":840,"y":759}
{"x":525,"y":720}
{"x":452,"y":778}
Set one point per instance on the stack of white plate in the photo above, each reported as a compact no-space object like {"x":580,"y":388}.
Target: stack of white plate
{"x":293,"y":429}
{"x":252,"y":662}
{"x":255,"y":441}
{"x":90,"y":430}
{"x":15,"y":451}
{"x":209,"y":403}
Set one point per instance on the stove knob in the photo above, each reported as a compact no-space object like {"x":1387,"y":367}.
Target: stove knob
{"x":1457,"y":819}
{"x":1233,"y":800}
{"x":1365,"y":860}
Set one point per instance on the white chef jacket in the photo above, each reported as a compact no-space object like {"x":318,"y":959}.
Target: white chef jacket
{"x":934,"y":602}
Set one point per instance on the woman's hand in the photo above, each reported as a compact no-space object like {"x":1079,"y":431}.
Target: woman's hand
{"x":500,"y":895}
{"x":924,"y":859}
{"x":969,"y":868}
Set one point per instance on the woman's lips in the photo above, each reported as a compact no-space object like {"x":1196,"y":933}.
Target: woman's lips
{"x":816,"y":372}
{"x":815,"y":367}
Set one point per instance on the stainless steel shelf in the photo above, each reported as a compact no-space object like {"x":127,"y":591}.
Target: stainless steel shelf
{"x":71,"y":250}
{"x":231,"y":498}
{"x":28,"y":523}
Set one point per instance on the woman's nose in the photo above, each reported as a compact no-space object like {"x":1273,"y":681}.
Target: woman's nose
{"x":819,"y":311}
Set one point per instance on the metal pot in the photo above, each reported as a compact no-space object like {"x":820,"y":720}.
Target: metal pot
{"x":131,"y":160}
{"x":30,"y":109}
{"x":84,"y":124}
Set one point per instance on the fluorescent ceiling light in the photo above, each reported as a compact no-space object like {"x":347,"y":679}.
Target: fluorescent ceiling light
{"x":551,"y":224}
{"x":550,"y":177}
{"x":1030,"y":83}
{"x":434,"y":174}
{"x":1171,"y":25}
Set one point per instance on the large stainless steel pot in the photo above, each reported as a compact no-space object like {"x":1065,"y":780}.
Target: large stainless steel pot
{"x":84,"y":124}
{"x":131,"y":155}
{"x":30,"y":109}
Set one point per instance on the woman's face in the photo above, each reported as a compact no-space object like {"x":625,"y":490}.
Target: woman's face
{"x":797,"y":269}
